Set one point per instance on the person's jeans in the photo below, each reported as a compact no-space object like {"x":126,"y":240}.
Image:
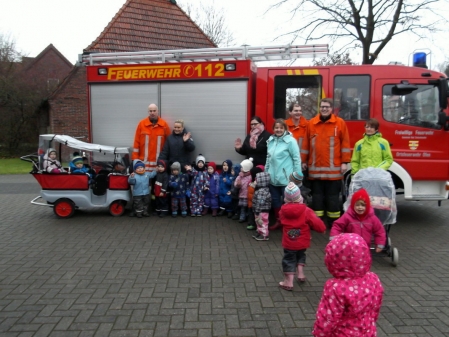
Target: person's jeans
{"x":277,"y":195}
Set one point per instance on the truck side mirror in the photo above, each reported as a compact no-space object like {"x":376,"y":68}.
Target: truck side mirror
{"x":443,"y":91}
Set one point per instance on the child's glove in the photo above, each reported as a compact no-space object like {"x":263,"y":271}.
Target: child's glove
{"x":55,"y":170}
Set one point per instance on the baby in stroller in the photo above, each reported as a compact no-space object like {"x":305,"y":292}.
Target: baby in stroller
{"x":381,"y":193}
{"x":360,"y":219}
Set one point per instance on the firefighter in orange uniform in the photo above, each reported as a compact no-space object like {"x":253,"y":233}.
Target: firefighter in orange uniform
{"x":297,"y":124}
{"x":325,"y":152}
{"x":150,"y":137}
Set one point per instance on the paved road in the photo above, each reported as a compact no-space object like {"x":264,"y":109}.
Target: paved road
{"x":95,"y":275}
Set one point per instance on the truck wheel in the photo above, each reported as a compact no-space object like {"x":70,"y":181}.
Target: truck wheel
{"x":64,"y":208}
{"x":117,"y":208}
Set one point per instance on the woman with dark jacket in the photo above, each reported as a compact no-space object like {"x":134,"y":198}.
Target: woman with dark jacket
{"x":255,"y":144}
{"x":178,"y":146}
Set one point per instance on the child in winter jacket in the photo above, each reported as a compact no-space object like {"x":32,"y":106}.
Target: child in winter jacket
{"x":351,"y":300}
{"x":251,"y":190}
{"x":235,"y":191}
{"x":141,"y":190}
{"x":226,"y":181}
{"x":199,"y":184}
{"x":262,"y":205}
{"x":360,"y":219}
{"x":50,"y":163}
{"x":211,"y":192}
{"x":77,"y":165}
{"x":179,"y":183}
{"x":297,"y":221}
{"x":161,"y":188}
{"x":242,"y":182}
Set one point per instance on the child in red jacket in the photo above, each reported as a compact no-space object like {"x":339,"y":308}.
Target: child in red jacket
{"x":296,"y":220}
{"x":360,"y":219}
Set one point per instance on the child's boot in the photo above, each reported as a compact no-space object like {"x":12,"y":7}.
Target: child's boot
{"x":230,"y":214}
{"x":300,"y":273}
{"x":205,"y":210}
{"x":287,"y":284}
{"x":222,"y":211}
{"x":214,"y":212}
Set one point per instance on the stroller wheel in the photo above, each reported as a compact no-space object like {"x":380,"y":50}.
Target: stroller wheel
{"x":117,"y":208}
{"x":394,"y":257}
{"x":64,"y":208}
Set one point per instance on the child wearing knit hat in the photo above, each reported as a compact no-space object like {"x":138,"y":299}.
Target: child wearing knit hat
{"x":140,"y":179}
{"x":261,"y":205}
{"x":161,"y":188}
{"x":211,"y":192}
{"x":297,"y":221}
{"x":199,"y":185}
{"x":226,"y":180}
{"x":179,"y":183}
{"x":242,"y":182}
{"x":361,"y":219}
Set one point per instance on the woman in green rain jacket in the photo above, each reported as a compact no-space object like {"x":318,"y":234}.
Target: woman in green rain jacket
{"x":372,"y":150}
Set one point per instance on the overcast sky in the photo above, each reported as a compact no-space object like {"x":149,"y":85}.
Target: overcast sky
{"x":72,"y":25}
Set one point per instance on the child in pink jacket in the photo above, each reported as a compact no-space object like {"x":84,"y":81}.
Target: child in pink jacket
{"x":242,"y":181}
{"x":360,"y":219}
{"x":351,"y":300}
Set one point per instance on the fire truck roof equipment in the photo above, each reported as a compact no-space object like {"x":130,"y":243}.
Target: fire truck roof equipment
{"x":261,"y":53}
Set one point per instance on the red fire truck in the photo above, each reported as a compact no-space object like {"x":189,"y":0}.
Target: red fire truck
{"x":216,"y":92}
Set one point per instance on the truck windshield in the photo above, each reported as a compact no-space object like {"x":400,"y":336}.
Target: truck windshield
{"x":419,"y":108}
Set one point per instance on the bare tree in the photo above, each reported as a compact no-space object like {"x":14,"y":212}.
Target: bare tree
{"x":19,"y":99}
{"x":212,"y":21}
{"x":362,"y":24}
{"x":333,"y":59}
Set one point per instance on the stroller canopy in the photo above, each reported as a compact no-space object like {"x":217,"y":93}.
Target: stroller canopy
{"x":80,"y":145}
{"x":380,"y":187}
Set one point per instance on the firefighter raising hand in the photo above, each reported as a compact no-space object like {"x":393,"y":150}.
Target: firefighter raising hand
{"x":238,"y":143}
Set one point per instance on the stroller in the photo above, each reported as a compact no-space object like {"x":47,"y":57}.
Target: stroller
{"x":104,"y":187}
{"x":381,"y":189}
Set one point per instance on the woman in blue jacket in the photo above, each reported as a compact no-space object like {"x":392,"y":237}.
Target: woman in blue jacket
{"x":282,"y":160}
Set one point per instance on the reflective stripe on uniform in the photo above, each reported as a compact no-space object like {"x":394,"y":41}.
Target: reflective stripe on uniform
{"x":147,"y":141}
{"x":333,"y":215}
{"x":319,"y":213}
{"x":158,"y":146}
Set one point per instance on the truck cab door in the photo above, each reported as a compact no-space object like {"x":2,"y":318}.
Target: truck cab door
{"x":409,"y":121}
{"x":306,"y":86}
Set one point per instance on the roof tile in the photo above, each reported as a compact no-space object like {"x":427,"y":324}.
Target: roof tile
{"x":150,"y":25}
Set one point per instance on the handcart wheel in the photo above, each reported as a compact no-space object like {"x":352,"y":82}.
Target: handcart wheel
{"x":117,"y":208}
{"x":64,"y":208}
{"x":394,"y":257}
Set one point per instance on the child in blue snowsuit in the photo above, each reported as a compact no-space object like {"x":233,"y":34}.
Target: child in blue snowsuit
{"x":211,"y":195}
{"x":141,"y":191}
{"x":179,"y":183}
{"x":224,"y":191}
{"x":199,"y":183}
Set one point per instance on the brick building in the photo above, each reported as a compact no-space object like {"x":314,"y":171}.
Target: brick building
{"x":44,"y":73}
{"x":138,"y":25}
